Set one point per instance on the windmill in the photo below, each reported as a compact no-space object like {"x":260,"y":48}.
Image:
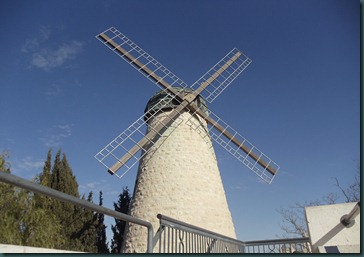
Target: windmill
{"x":178,"y":174}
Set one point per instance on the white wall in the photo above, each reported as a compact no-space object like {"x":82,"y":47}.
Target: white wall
{"x":326,"y":231}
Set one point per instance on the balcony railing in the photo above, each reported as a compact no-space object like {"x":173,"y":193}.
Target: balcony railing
{"x":174,"y":236}
{"x":285,"y":245}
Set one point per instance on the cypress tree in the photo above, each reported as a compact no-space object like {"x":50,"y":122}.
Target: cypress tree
{"x":70,"y":182}
{"x":62,"y":179}
{"x":44,"y":179}
{"x":10,"y":208}
{"x":87,"y":233}
{"x":24,"y":218}
{"x":56,"y":181}
{"x":102,"y":245}
{"x":36,"y":220}
{"x":118,"y":230}
{"x":41,"y":225}
{"x":62,"y":214}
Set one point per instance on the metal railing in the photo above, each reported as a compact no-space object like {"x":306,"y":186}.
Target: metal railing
{"x":178,"y":237}
{"x":174,"y":236}
{"x":31,"y":186}
{"x":285,"y":245}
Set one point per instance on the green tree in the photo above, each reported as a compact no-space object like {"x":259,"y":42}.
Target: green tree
{"x":86,"y":235}
{"x":102,"y":245}
{"x":41,"y":225}
{"x":37,"y":220}
{"x":68,"y":215}
{"x":70,"y":182}
{"x":10,"y":209}
{"x":78,"y":225}
{"x":118,"y":230}
{"x":44,"y":179}
{"x":45,"y":176}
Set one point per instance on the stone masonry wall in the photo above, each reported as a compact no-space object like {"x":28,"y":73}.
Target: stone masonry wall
{"x":180,"y":180}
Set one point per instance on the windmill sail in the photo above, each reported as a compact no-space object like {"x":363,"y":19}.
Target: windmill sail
{"x":121,"y":152}
{"x":223,"y":73}
{"x":139,"y":59}
{"x":239,"y":147}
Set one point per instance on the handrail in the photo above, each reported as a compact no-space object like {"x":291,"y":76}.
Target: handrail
{"x":179,"y":237}
{"x":168,"y":220}
{"x":278,"y":241}
{"x":283,"y":245}
{"x":205,"y":241}
{"x":23,"y":183}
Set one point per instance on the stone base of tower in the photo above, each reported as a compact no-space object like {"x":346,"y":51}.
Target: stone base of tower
{"x":180,"y":180}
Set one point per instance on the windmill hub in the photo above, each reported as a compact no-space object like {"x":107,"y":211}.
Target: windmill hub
{"x":163,"y":101}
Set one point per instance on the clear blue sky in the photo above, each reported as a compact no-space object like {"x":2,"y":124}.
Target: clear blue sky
{"x":298,"y":101}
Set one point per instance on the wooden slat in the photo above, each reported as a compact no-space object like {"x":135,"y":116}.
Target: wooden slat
{"x":240,"y":145}
{"x":168,"y":120}
{"x":186,"y":102}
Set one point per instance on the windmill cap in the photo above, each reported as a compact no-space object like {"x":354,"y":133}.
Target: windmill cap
{"x":163,"y":100}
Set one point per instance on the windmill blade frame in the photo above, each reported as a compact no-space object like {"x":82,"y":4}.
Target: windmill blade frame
{"x":140,"y":60}
{"x":239,"y":147}
{"x":121,"y":151}
{"x":210,"y":85}
{"x":222,"y":74}
{"x":108,"y":38}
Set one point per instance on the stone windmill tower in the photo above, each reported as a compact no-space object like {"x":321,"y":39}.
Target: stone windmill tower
{"x":178,"y":174}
